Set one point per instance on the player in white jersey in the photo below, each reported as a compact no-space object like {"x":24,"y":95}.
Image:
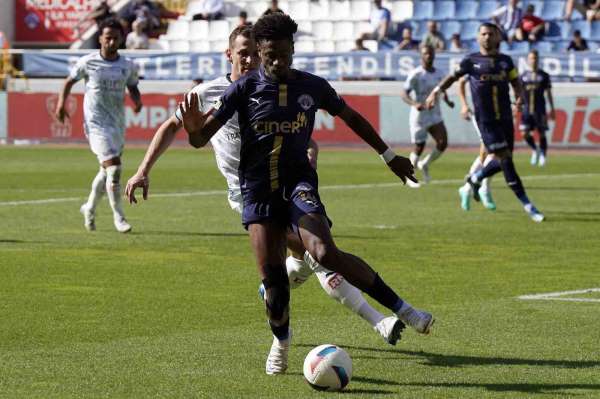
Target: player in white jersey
{"x":106,"y":75}
{"x":422,"y":120}
{"x":226,"y":144}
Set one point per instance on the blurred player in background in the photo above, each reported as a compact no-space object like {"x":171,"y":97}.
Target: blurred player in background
{"x":536,"y":83}
{"x":423,"y":120}
{"x":106,"y":75}
{"x":490,"y":73}
{"x":484,"y":194}
{"x":276,"y":108}
{"x":226,"y":144}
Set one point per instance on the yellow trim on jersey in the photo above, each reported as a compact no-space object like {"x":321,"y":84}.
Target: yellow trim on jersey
{"x":495,"y":101}
{"x":274,"y":161}
{"x":283,"y":95}
{"x":513,"y":74}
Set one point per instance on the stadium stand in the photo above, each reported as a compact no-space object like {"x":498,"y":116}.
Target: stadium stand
{"x":333,"y":25}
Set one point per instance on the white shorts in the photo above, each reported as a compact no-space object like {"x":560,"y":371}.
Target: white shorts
{"x":419,"y":132}
{"x":106,"y":146}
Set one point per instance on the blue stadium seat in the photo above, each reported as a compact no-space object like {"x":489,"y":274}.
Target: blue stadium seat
{"x":448,"y":28}
{"x":561,"y":46}
{"x":595,"y":31}
{"x":521,"y":47}
{"x":565,"y":29}
{"x":471,"y":45}
{"x":486,"y":8}
{"x":444,"y":10}
{"x":423,"y":10}
{"x":552,"y":10}
{"x":420,"y":30}
{"x":469,"y":29}
{"x":582,"y":26}
{"x":543,"y":46}
{"x":466,"y":9}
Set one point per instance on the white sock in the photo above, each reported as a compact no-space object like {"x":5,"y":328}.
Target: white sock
{"x":414,"y":158}
{"x":298,"y":271}
{"x":336,"y":286}
{"x":476,"y":165}
{"x":113,"y":190}
{"x":432,"y":156}
{"x":98,"y":187}
{"x":485,"y":183}
{"x":405,"y":307}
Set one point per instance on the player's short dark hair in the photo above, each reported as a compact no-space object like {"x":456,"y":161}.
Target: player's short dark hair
{"x":242,"y":30}
{"x":534,"y":52}
{"x":275,"y":26}
{"x":111,"y":23}
{"x":489,"y":25}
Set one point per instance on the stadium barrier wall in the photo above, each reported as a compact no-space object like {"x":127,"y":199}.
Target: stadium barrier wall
{"x":30,"y":114}
{"x":3,"y":117}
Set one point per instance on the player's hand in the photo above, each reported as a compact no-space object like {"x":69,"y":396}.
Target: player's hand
{"x":312,"y":154}
{"x":191,"y":116}
{"x":138,"y":107}
{"x":450,"y":103}
{"x":137,"y":180}
{"x":465,"y":112}
{"x":552,"y":115}
{"x":61,"y":113}
{"x":403,"y":168}
{"x":420,"y":106}
{"x":430,"y":101}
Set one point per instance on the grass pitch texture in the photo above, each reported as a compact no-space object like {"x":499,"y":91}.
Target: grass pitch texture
{"x":171,"y":310}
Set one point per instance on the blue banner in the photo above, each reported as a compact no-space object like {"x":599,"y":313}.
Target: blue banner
{"x":573,"y":66}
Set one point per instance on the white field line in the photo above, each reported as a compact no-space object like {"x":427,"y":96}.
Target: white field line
{"x":560,"y":296}
{"x":333,"y":187}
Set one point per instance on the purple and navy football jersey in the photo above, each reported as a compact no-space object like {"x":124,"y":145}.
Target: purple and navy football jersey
{"x":276,"y":121}
{"x":489,"y":77}
{"x":535,"y":83}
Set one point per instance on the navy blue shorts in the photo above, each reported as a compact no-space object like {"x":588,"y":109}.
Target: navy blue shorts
{"x":285,"y":206}
{"x":497,"y":135}
{"x":531,"y":122}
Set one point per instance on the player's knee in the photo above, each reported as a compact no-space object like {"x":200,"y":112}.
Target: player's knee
{"x":325,"y":254}
{"x":277,"y":292}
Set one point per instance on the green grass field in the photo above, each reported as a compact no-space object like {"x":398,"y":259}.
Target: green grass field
{"x":171,"y":310}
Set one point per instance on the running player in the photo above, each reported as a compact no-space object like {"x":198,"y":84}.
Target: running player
{"x":106,"y":75}
{"x":424,"y":120}
{"x":226,"y":144}
{"x":484,"y":194}
{"x":536,"y":83}
{"x":276,"y":108}
{"x":489,"y":75}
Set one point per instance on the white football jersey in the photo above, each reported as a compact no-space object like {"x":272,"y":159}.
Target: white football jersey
{"x":226,"y":142}
{"x":422,"y":82}
{"x":105,"y":83}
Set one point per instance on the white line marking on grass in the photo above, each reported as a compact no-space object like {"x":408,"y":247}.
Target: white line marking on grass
{"x":335,"y":187}
{"x":559,"y":296}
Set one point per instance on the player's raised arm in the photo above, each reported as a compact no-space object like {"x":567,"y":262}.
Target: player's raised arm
{"x":160,"y":142}
{"x":200,"y":126}
{"x":401,"y":166}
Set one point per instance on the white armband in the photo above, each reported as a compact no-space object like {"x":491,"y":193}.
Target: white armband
{"x":387,"y":155}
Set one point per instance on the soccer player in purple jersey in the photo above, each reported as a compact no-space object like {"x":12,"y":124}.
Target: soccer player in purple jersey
{"x":276,"y":108}
{"x":536,"y":83}
{"x":490,"y":73}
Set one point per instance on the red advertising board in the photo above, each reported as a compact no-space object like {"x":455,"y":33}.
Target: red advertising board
{"x":31,"y":116}
{"x":49,"y":20}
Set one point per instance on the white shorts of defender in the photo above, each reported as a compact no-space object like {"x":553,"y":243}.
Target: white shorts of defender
{"x":419,"y":132}
{"x":106,"y":146}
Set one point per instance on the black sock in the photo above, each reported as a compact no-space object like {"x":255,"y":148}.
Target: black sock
{"x":530,"y":141}
{"x":281,"y":332}
{"x":543,"y":143}
{"x":488,"y":170}
{"x":513,"y":180}
{"x":384,"y":294}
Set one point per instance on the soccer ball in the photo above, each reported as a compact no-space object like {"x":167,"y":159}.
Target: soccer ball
{"x":328,"y":368}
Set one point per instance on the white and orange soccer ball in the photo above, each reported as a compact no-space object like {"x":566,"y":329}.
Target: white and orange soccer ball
{"x":328,"y":368}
